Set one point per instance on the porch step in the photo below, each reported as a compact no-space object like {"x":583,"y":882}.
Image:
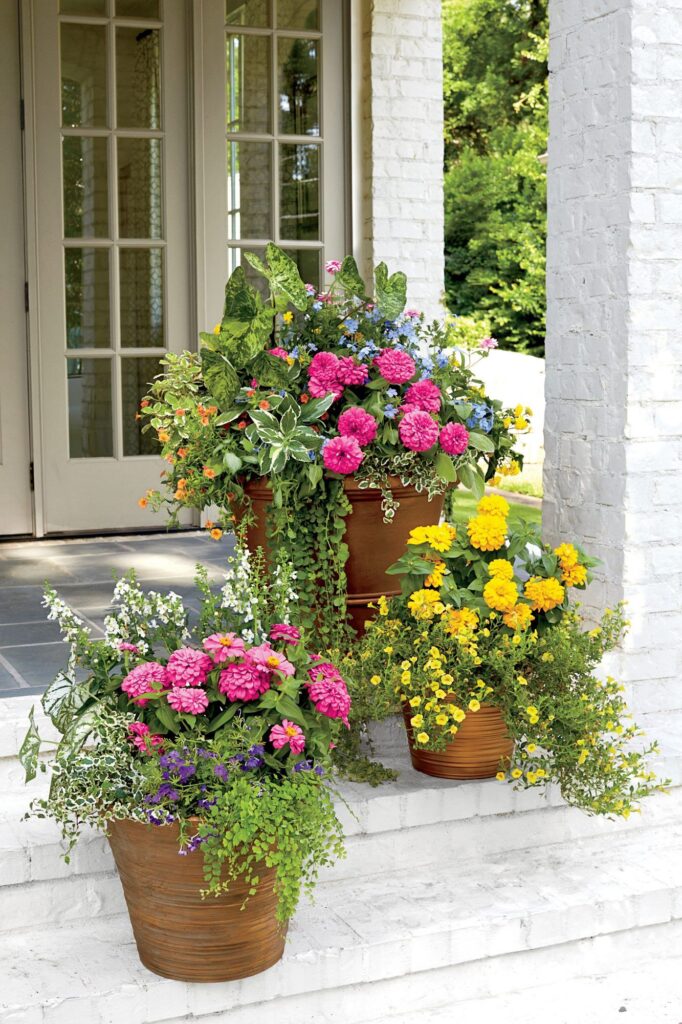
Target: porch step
{"x":376,"y":946}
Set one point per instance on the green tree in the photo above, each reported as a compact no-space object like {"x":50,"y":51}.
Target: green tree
{"x":495,"y":85}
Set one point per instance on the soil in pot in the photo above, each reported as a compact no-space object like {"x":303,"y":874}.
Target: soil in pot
{"x":178,"y":934}
{"x":478,"y":750}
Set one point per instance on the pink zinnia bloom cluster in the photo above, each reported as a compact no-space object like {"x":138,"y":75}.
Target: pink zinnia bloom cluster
{"x":267,"y":660}
{"x":242,"y":680}
{"x":224,"y":646}
{"x":188,"y":667}
{"x":145,"y":678}
{"x":487,"y":343}
{"x":323,"y":375}
{"x":142,"y":738}
{"x":278,"y":351}
{"x":356,"y":422}
{"x":328,"y":692}
{"x":190,"y":699}
{"x":125,"y":646}
{"x":342,"y":455}
{"x":350,"y":373}
{"x":418,"y":430}
{"x":424,"y":395}
{"x":332,"y":266}
{"x":283,"y":631}
{"x":288,"y":732}
{"x":395,"y":366}
{"x":454,"y":438}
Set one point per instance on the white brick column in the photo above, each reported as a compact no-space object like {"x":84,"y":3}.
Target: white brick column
{"x":613,"y":428}
{"x":402,"y":158}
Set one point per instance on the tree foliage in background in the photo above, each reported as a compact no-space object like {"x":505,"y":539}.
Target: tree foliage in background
{"x":495,"y":85}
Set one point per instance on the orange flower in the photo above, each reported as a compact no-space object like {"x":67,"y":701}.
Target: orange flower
{"x":263,"y":404}
{"x":250,"y":393}
{"x":209,"y":524}
{"x":181,"y":452}
{"x":144,"y":403}
{"x":169,"y":459}
{"x":163,"y":436}
{"x":212,"y":410}
{"x":142,"y":502}
{"x":216,"y":533}
{"x":209,"y":473}
{"x":204,"y":421}
{"x":231,"y":496}
{"x":241,"y":425}
{"x":180,"y":412}
{"x":180,"y":494}
{"x":304,"y":399}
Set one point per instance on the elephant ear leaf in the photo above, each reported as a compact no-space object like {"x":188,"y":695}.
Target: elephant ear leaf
{"x":242,"y":303}
{"x":284,"y":277}
{"x":246,"y":325}
{"x":391,"y":292}
{"x":220,"y":377}
{"x":30,"y":748}
{"x":350,"y":280}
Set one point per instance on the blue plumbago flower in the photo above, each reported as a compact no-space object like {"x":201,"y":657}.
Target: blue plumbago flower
{"x":294,"y":352}
{"x":282,"y":392}
{"x":482,"y":417}
{"x":442,"y":359}
{"x":317,"y":306}
{"x":391,"y":392}
{"x":390,"y":411}
{"x":352,"y":325}
{"x":312,"y":347}
{"x":312,"y":456}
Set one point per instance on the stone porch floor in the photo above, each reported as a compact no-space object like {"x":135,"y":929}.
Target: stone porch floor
{"x":82,"y":570}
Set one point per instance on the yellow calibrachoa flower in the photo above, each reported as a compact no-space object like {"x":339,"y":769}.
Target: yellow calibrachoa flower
{"x":516,"y":773}
{"x":375,"y":680}
{"x":501,"y":569}
{"x":500,"y":594}
{"x":487,"y":532}
{"x":422,"y":737}
{"x":424,"y":604}
{"x":459,"y":714}
{"x":441,"y":719}
{"x":567,"y":555}
{"x":574,"y":576}
{"x":460,"y":620}
{"x":474,"y":705}
{"x":544,"y":594}
{"x":440,"y":538}
{"x":519,"y":617}
{"x":415,"y":702}
{"x":493,"y":505}
{"x":383,"y":605}
{"x":417,"y":721}
{"x":500,"y":776}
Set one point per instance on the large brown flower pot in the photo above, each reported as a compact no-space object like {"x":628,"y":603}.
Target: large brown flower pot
{"x":179,"y":935}
{"x":476,"y":752}
{"x":373,"y":545}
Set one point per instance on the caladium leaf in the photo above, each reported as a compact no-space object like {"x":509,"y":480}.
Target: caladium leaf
{"x":391,"y":292}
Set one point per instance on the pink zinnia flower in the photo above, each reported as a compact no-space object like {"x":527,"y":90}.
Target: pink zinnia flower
{"x":190,"y":699}
{"x":323,"y":375}
{"x":142,"y":738}
{"x":278,"y":351}
{"x":243,"y":681}
{"x":395,"y":366}
{"x":145,"y":678}
{"x":488,"y":343}
{"x":424,"y":395}
{"x":332,"y":266}
{"x":224,"y":646}
{"x":418,"y":430}
{"x":454,"y":438}
{"x":288,"y":732}
{"x":349,"y":372}
{"x":356,"y":422}
{"x":282,"y":631}
{"x":342,"y":455}
{"x":128,"y":647}
{"x":265,"y":659}
{"x":328,"y":692}
{"x":187,"y":667}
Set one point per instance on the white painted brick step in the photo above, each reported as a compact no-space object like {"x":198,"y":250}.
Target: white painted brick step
{"x":420,"y":923}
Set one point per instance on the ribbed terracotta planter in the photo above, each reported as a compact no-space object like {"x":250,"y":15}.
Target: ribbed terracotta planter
{"x":178,"y":934}
{"x":476,"y":752}
{"x":373,"y":544}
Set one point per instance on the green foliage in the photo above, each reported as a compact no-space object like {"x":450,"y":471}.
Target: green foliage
{"x":495,"y":86}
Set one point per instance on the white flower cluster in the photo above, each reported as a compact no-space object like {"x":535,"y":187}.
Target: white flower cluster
{"x":256,"y":596}
{"x":237,"y":594}
{"x":140,"y":614}
{"x":71,"y":626}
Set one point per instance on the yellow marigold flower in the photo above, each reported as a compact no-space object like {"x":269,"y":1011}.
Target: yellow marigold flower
{"x":424,"y":604}
{"x":501,"y":569}
{"x":422,"y":737}
{"x":438,"y":537}
{"x":474,"y":705}
{"x":458,"y":714}
{"x":544,"y":594}
{"x":493,"y":505}
{"x":500,"y":776}
{"x":417,"y":721}
{"x":500,"y":594}
{"x":516,"y":773}
{"x":375,"y":680}
{"x":575,"y":576}
{"x":486,"y":532}
{"x":441,"y":719}
{"x":567,"y":555}
{"x":460,"y":621}
{"x":519,"y":617}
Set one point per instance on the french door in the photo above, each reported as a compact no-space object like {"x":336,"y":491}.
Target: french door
{"x":109,"y":140}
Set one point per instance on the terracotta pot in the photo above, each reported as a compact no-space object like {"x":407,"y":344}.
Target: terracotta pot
{"x":373,"y":544}
{"x":178,"y":934}
{"x":474,"y":753}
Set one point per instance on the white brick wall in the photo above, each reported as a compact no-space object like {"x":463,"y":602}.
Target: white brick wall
{"x":613,"y":437}
{"x":402,"y":166}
